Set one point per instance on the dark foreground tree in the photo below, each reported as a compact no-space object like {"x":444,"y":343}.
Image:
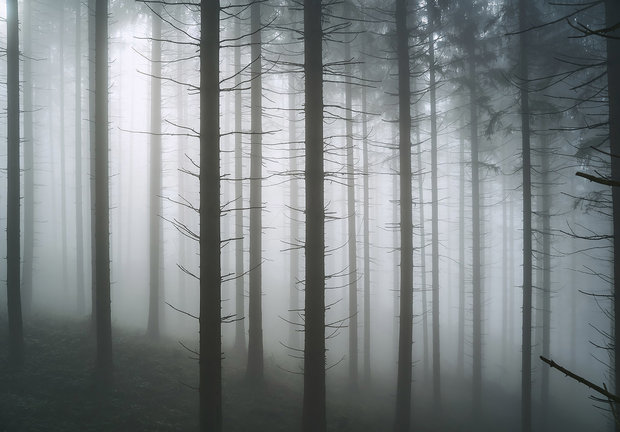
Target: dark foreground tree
{"x":155,"y":203}
{"x":210,"y":363}
{"x":313,"y":417}
{"x":255,"y":310}
{"x":102,"y":202}
{"x":403,"y":386}
{"x":13,"y":288}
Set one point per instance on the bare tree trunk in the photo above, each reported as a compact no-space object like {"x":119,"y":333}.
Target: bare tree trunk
{"x":255,"y":313}
{"x":313,"y":416}
{"x":14,"y":306}
{"x":293,"y":339}
{"x":351,"y":219}
{"x":210,"y":363}
{"x":367,"y":320}
{"x":475,"y":204}
{"x":79,"y":223}
{"x":92,"y":134}
{"x":155,"y":169}
{"x":612,"y":16}
{"x":405,"y":340}
{"x":102,"y":204}
{"x":240,"y":344}
{"x":546,"y":269}
{"x":434,"y":216}
{"x":526,"y":334}
{"x":461,"y":318}
{"x":63,"y":157}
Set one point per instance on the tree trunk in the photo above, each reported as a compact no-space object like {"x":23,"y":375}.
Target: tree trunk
{"x":102,"y":204}
{"x":546,"y":269}
{"x":612,"y":16}
{"x":255,"y":313}
{"x":14,"y":306}
{"x":293,"y":339}
{"x":461,"y":341}
{"x":28,"y":87}
{"x":92,"y":70}
{"x":366,"y":228}
{"x":475,"y":205}
{"x":313,"y":416}
{"x":240,"y":345}
{"x":435,"y":214}
{"x":79,"y":223}
{"x":155,"y":169}
{"x":526,"y":330}
{"x":210,"y":363}
{"x":352,"y":234}
{"x":63,"y":156}
{"x":403,"y":389}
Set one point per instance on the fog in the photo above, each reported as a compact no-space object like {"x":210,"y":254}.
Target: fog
{"x":572,"y":269}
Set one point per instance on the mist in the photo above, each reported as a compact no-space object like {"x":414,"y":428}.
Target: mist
{"x":317,"y":216}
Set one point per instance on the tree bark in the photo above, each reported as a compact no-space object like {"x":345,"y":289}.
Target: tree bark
{"x":210,"y":363}
{"x":155,"y":169}
{"x":92,"y":134}
{"x":526,"y":330}
{"x":13,"y":286}
{"x":461,"y":315}
{"x":367,"y":319}
{"x":29,"y":177}
{"x":79,"y":220}
{"x":403,"y":389}
{"x":313,"y":416}
{"x":255,"y":312}
{"x":435,"y":214}
{"x":240,"y":344}
{"x":102,"y":203}
{"x":612,"y":17}
{"x":351,"y":219}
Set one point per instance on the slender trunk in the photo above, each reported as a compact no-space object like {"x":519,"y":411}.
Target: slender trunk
{"x":461,"y":341}
{"x":28,"y":87}
{"x":293,"y":339}
{"x":367,"y":321}
{"x":14,"y":306}
{"x":504,"y":276}
{"x":102,"y":204}
{"x":210,"y":363}
{"x":79,"y":223}
{"x":63,"y":157}
{"x":396,"y":252}
{"x":352,"y":234}
{"x":92,"y":12}
{"x":403,"y":389}
{"x":240,"y":345}
{"x":546,"y":268}
{"x":435,"y":220}
{"x":255,"y":313}
{"x":526,"y":330}
{"x":475,"y":204}
{"x":423,"y":287}
{"x":313,"y":416}
{"x":181,"y":149}
{"x":612,"y":14}
{"x":155,"y":170}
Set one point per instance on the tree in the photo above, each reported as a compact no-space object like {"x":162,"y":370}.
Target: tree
{"x":403,"y":389}
{"x":79,"y":223}
{"x":255,"y":339}
{"x":155,"y":202}
{"x":313,"y":416}
{"x":13,"y":286}
{"x":102,"y":200}
{"x":526,"y":331}
{"x":28,"y":257}
{"x":432,"y":19}
{"x":210,"y":358}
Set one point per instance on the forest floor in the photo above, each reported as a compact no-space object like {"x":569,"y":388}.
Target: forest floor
{"x":153,"y":390}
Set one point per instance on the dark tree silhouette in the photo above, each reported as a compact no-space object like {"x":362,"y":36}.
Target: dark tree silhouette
{"x":13,"y":286}
{"x":210,"y":363}
{"x":403,"y":389}
{"x":313,"y":416}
